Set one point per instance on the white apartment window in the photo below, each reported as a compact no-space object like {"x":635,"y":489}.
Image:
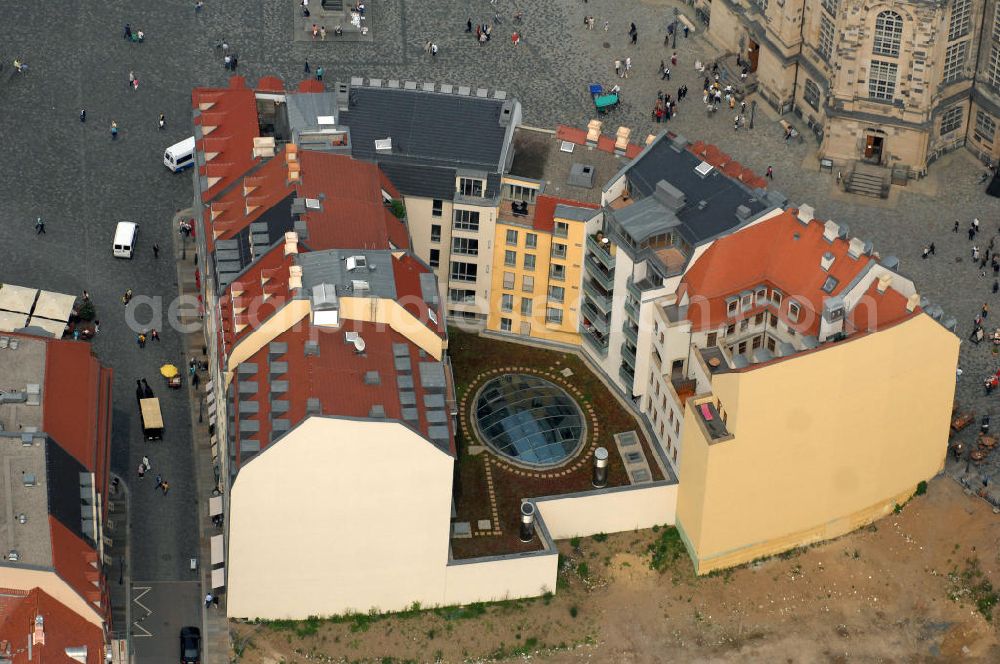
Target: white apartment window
{"x":882,"y":80}
{"x":506,"y":303}
{"x":510,"y":258}
{"x":505,"y":325}
{"x":776,"y":298}
{"x":745,"y":301}
{"x":465,"y":246}
{"x":508,"y":280}
{"x":462,"y":295}
{"x":731,"y":329}
{"x":760,"y":297}
{"x":436,"y":207}
{"x":466,"y":220}
{"x":557,"y":272}
{"x":561,"y":229}
{"x":526,"y":304}
{"x":993,"y":66}
{"x":528,"y":284}
{"x":952,"y":119}
{"x":985,"y":127}
{"x":831,"y":6}
{"x":530,"y":240}
{"x":529,"y":261}
{"x":888,"y":34}
{"x":810,"y":94}
{"x":470,"y":187}
{"x":961,"y":19}
{"x":558,"y":250}
{"x":731,"y":307}
{"x":512,"y":238}
{"x":464,"y":271}
{"x":516,"y":192}
{"x":744,"y":324}
{"x":712,"y":339}
{"x":556,"y":293}
{"x":826,"y":33}
{"x":553,"y":315}
{"x":954,"y":61}
{"x":793,"y":312}
{"x":435,"y":257}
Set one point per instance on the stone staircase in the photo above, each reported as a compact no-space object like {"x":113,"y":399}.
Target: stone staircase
{"x":868,"y":180}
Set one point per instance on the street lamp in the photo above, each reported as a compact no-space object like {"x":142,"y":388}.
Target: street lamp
{"x":676,"y":13}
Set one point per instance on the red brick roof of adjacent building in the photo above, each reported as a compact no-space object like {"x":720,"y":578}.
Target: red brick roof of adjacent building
{"x":335,"y":376}
{"x":62,"y":628}
{"x":545,"y":209}
{"x":783,"y":253}
{"x":229,"y":118}
{"x":266,"y":276}
{"x":76,"y":563}
{"x":352,"y":213}
{"x":407,"y":271}
{"x":261,"y":189}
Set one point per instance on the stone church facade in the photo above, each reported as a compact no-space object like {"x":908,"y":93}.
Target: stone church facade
{"x":895,"y":83}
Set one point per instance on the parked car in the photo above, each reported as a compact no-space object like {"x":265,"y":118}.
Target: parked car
{"x":190,"y":645}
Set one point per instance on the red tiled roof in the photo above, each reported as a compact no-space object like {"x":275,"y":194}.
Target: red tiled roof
{"x":783,"y":253}
{"x":271,"y":84}
{"x":233,"y":114}
{"x":267,"y":186}
{"x":72,"y":559}
{"x":76,"y":402}
{"x":407,"y":271}
{"x":545,"y":209}
{"x":604,"y":143}
{"x":62,"y":627}
{"x":272,"y":266}
{"x":353,"y":215}
{"x":336,"y":376}
{"x":311,"y":85}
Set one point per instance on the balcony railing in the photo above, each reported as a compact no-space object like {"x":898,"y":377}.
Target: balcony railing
{"x":601,"y":250}
{"x":596,"y":318}
{"x":597,"y":342}
{"x":602,"y":301}
{"x":632,"y":310}
{"x":632,"y":334}
{"x":595,"y":268}
{"x":633,"y":289}
{"x":627,"y":374}
{"x":628,"y":355}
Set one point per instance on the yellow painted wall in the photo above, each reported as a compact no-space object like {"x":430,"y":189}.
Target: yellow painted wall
{"x":391,"y":313}
{"x":339,"y":515}
{"x":290,"y":314}
{"x":582,"y":515}
{"x":821,"y":443}
{"x":568,"y":331}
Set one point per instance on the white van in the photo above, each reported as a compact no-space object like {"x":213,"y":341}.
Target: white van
{"x":180,"y":155}
{"x":125,"y":236}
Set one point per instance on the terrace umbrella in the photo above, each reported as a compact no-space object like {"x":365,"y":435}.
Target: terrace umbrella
{"x":168,"y":371}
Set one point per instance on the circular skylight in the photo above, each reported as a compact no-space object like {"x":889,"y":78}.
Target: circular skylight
{"x":528,"y":420}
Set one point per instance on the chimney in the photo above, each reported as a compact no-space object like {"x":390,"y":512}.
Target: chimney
{"x":621,"y":139}
{"x":825,"y":261}
{"x":855,"y":247}
{"x":291,"y":243}
{"x":594,"y":132}
{"x":294,"y":277}
{"x":912,"y":302}
{"x":830,"y":231}
{"x":883,"y":283}
{"x":527,"y":521}
{"x":38,"y":637}
{"x":600,"y":479}
{"x":806,"y":213}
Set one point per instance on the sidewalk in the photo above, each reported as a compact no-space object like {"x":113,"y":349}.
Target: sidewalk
{"x":215,"y":625}
{"x":119,"y":572}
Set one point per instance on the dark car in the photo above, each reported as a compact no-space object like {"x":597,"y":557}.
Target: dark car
{"x":190,"y":645}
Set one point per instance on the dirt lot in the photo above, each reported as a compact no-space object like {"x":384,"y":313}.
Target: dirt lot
{"x":903,"y":590}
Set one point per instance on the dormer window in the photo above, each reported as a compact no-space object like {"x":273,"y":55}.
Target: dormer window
{"x":745,"y":301}
{"x":761,"y":297}
{"x":731,"y":307}
{"x":471,"y":187}
{"x":793,"y":312}
{"x":776,"y":298}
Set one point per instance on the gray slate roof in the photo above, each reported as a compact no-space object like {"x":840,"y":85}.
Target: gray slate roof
{"x":330,"y":267}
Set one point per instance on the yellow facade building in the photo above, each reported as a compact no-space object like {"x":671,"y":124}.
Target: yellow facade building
{"x":538,"y":253}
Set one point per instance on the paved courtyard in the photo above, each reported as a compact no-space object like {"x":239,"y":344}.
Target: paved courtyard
{"x":82,"y":182}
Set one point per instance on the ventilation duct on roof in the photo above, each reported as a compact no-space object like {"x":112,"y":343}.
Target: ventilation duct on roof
{"x":855,"y":247}
{"x":581,"y":175}
{"x":291,"y":243}
{"x":355,"y":262}
{"x":703,"y":169}
{"x":506,"y":112}
{"x":825,"y":261}
{"x":669,"y":196}
{"x":806,"y":213}
{"x":743,"y":213}
{"x":325,"y":305}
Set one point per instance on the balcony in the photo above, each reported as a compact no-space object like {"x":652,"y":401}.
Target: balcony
{"x":596,"y":318}
{"x":596,"y":340}
{"x":595,"y":268}
{"x":714,"y":426}
{"x":602,"y":250}
{"x":628,"y":355}
{"x":632,"y":334}
{"x":599,"y":298}
{"x":628,"y":375}
{"x":633,"y":289}
{"x":631,"y":309}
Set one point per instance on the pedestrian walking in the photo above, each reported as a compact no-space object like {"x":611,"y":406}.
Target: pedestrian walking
{"x":673,"y":59}
{"x":154,"y":334}
{"x":145,"y":462}
{"x":628,"y":67}
{"x":618,"y":68}
{"x":972,"y":233}
{"x":996,"y":286}
{"x":635,"y":36}
{"x":955,"y":228}
{"x":127,"y":36}
{"x":39,"y":226}
{"x":975,"y":224}
{"x":97,"y":326}
{"x":607,"y":25}
{"x":770,"y":173}
{"x":305,"y":67}
{"x":468,"y":25}
{"x":86,"y":296}
{"x":926,"y":252}
{"x":83,"y":115}
{"x":322,"y":33}
{"x":305,"y":7}
{"x":156,"y":250}
{"x":208,"y":600}
{"x":159,"y":482}
{"x":320,"y":70}
{"x":198,"y":6}
{"x":685,"y":31}
{"x":434,"y":52}
{"x":114,"y":130}
{"x":165,"y":486}
{"x":975,"y":253}
{"x":141,"y":471}
{"x":141,"y":339}
{"x":161,"y":122}
{"x":115,"y":484}
{"x":131,"y":77}
{"x":986,"y":309}
{"x":932,"y":248}
{"x":196,"y":380}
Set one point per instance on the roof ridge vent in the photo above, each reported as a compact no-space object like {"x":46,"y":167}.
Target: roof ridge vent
{"x":830,"y":230}
{"x":806,"y":213}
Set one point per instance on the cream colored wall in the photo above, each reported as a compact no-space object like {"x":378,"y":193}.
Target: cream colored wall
{"x":21,"y":578}
{"x":495,"y":579}
{"x":724,"y":29}
{"x":339,"y":515}
{"x":817,"y":440}
{"x":582,"y":515}
{"x":391,"y":313}
{"x":291,"y":313}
